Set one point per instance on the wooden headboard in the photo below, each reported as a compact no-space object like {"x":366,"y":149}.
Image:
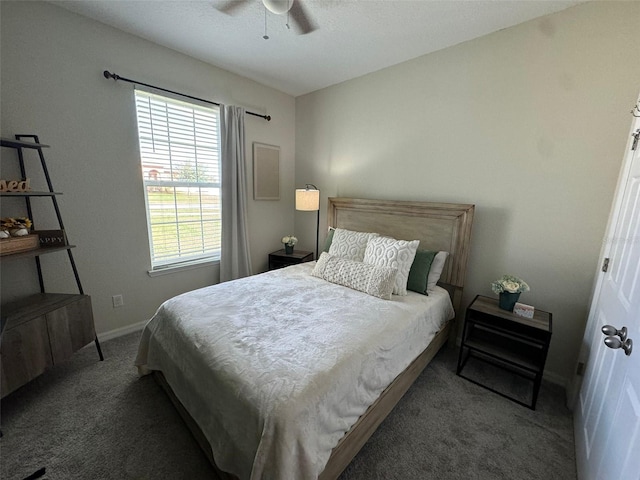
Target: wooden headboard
{"x":438,"y":226}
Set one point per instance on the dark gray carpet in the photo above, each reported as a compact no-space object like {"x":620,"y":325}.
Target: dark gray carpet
{"x":97,"y":420}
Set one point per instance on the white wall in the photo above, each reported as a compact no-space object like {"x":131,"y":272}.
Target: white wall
{"x":528,"y":123}
{"x":52,"y":85}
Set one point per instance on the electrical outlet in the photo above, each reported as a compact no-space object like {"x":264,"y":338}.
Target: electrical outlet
{"x":117,"y":301}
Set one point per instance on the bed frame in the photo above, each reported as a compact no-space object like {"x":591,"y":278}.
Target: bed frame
{"x":438,"y":226}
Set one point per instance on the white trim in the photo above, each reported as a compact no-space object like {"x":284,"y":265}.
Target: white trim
{"x":119,"y":332}
{"x":555,"y":378}
{"x":182,"y":266}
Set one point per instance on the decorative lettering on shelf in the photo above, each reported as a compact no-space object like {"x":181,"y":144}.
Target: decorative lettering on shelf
{"x":15,"y":185}
{"x":52,"y":238}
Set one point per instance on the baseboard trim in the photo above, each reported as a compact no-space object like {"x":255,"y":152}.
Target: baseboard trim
{"x":119,"y":332}
{"x":555,"y":378}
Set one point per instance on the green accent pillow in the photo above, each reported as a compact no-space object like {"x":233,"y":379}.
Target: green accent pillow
{"x":420,"y":271}
{"x":327,"y":242}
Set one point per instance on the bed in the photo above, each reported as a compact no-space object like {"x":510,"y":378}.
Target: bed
{"x":278,"y":382}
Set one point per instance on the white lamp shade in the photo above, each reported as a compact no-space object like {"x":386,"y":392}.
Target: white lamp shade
{"x":307,"y":200}
{"x":277,"y":6}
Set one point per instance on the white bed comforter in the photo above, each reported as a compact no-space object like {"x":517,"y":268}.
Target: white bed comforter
{"x":275,"y":368}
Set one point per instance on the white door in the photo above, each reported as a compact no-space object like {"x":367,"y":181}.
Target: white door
{"x":607,"y":414}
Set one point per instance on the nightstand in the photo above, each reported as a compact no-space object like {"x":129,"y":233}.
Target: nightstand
{"x":280,"y":259}
{"x":514,"y":343}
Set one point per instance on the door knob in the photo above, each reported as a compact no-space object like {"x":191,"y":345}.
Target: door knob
{"x":610,"y":331}
{"x":613,"y":342}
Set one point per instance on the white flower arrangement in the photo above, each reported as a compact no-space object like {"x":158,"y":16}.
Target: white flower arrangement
{"x":509,"y":284}
{"x":289,"y":240}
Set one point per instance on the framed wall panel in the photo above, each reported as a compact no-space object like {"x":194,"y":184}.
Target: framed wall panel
{"x":266,"y":172}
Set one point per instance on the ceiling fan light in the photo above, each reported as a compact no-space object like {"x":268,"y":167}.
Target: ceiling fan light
{"x":277,"y":6}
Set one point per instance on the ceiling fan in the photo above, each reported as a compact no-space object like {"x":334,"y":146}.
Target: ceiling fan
{"x":294,"y":8}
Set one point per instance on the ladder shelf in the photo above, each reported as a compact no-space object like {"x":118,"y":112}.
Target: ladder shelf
{"x":19,"y":144}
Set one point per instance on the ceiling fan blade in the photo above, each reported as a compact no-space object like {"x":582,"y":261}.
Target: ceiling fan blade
{"x":231,"y":6}
{"x":301,"y":18}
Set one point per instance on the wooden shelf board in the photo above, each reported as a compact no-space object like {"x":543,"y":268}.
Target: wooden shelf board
{"x":502,"y":354}
{"x":13,"y":143}
{"x":541,"y":319}
{"x":508,"y":334}
{"x":35,"y":252}
{"x":18,"y":311}
{"x":29,"y":194}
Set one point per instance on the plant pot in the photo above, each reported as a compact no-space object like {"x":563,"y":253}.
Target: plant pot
{"x":288,"y":249}
{"x":508,"y":300}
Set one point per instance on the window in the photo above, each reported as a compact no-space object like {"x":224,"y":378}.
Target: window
{"x":180,"y":158}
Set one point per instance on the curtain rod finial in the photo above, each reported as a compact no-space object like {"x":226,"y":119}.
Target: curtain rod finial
{"x":108,"y":75}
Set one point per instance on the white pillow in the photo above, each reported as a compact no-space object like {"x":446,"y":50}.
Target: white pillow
{"x":389,"y":252}
{"x":436,"y":270}
{"x":350,"y":244}
{"x":370,"y":279}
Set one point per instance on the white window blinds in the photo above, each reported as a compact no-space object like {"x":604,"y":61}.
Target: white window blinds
{"x":180,"y":158}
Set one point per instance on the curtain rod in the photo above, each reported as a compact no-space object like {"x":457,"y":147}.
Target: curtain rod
{"x":116,"y":77}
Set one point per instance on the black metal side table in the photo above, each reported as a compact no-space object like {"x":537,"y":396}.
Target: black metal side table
{"x":508,"y":341}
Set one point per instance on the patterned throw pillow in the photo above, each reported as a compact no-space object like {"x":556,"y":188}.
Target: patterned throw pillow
{"x":389,"y":252}
{"x":350,"y":244}
{"x":370,"y":279}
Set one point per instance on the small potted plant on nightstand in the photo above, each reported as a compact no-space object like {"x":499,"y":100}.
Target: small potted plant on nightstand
{"x":509,"y":289}
{"x":289,"y":241}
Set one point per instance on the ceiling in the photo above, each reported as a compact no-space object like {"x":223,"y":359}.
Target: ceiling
{"x":354,"y":37}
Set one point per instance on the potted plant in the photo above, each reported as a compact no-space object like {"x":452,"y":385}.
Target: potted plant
{"x":509,"y":289}
{"x":289,"y":241}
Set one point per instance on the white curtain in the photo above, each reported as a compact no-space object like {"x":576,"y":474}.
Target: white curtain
{"x":235,"y":261}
